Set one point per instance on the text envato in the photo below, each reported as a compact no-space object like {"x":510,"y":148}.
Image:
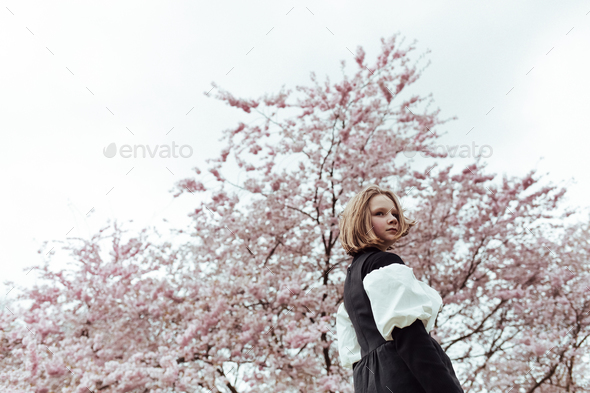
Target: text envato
{"x":484,"y":151}
{"x":165,"y":151}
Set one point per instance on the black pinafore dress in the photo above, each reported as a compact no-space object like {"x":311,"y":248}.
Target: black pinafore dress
{"x":381,"y":369}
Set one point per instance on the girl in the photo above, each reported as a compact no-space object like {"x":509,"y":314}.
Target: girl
{"x":383,"y":325}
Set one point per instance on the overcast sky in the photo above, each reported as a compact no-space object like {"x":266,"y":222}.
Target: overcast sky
{"x":78,"y":76}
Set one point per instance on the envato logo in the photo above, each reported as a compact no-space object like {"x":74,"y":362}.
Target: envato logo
{"x":165,"y":151}
{"x":484,"y":151}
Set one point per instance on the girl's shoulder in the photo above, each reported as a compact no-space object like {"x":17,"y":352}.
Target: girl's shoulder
{"x":379,"y":259}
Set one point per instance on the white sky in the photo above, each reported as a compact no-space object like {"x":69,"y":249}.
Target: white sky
{"x":150,"y":63}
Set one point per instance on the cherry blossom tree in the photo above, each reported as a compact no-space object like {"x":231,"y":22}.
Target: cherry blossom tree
{"x":248,"y":304}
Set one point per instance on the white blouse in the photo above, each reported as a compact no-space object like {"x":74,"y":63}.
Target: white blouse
{"x":397,"y":298}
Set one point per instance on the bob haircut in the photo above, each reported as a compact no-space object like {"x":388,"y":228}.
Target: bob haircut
{"x":355,"y":221}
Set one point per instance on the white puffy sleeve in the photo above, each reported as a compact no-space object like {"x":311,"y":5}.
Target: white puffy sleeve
{"x":398,"y":298}
{"x":348,"y":346}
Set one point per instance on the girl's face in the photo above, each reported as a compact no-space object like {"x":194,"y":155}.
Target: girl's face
{"x":384,"y":218}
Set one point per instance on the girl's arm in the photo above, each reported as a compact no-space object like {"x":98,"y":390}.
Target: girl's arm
{"x":348,"y":347}
{"x":425,"y":359}
{"x":405,"y":310}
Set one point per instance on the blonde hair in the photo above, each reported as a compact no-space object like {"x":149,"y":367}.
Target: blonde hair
{"x":355,"y":221}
